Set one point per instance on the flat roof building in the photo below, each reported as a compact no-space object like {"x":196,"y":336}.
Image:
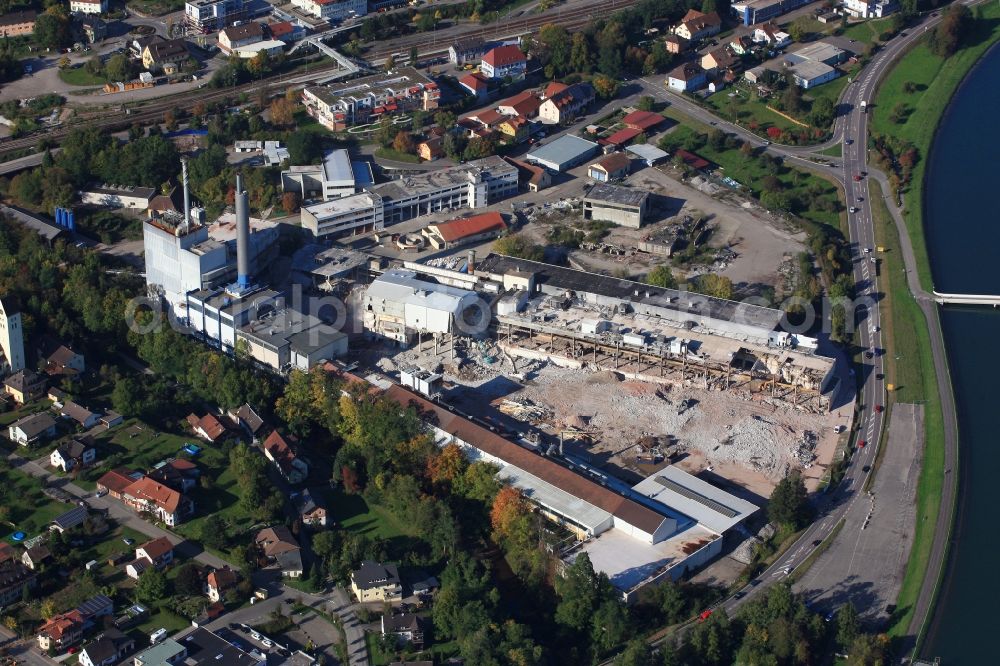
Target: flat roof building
{"x":564,"y":153}
{"x":351,"y":215}
{"x":367,"y":99}
{"x":399,"y":305}
{"x":287,"y":339}
{"x":335,"y":177}
{"x":623,"y":206}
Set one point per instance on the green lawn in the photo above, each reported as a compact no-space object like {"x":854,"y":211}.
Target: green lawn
{"x":936,"y":80}
{"x":866,"y":31}
{"x":836,"y":150}
{"x":910,"y":368}
{"x":155,"y":7}
{"x":352,"y":513}
{"x":391,"y":154}
{"x":749,"y":107}
{"x":26,"y":508}
{"x":79,"y":76}
{"x":750,"y":172}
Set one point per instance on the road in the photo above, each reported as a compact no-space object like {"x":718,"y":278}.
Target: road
{"x":851,"y":130}
{"x":336,"y":601}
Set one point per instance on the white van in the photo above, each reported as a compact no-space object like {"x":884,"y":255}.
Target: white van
{"x":157,"y":636}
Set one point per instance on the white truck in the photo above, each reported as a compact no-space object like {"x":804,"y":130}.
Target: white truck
{"x":864,"y":106}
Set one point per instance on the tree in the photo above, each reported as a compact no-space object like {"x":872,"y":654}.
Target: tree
{"x":661,"y":276}
{"x":170,"y":121}
{"x":789,"y":503}
{"x":188,"y":580}
{"x":414,"y":54}
{"x":63,"y":62}
{"x":390,"y":63}
{"x":822,"y":112}
{"x":799,"y":29}
{"x":848,"y":626}
{"x":508,"y":506}
{"x":516,"y":245}
{"x":578,"y":593}
{"x":126,"y":397}
{"x":716,"y":286}
{"x":94,"y":66}
{"x":579,"y":57}
{"x":444,"y":119}
{"x":611,"y":44}
{"x":290,"y":202}
{"x":302,"y":148}
{"x":637,"y":651}
{"x":52,"y":29}
{"x":282,"y":112}
{"x":605,"y":87}
{"x":152,"y":586}
{"x":791,"y":99}
{"x":118,"y":68}
{"x":646,"y":103}
{"x":948,"y":36}
{"x":403,"y":143}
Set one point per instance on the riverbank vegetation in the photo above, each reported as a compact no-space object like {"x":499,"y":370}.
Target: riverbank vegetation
{"x":910,"y":369}
{"x":910,"y":103}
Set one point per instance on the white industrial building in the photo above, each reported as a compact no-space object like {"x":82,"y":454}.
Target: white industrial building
{"x":400,"y":305}
{"x":619,"y":205}
{"x":11,"y":340}
{"x":287,"y":339}
{"x":337,"y":176}
{"x":666,"y":526}
{"x":115,"y":196}
{"x":333,"y":10}
{"x":347,"y":216}
{"x":473,"y":185}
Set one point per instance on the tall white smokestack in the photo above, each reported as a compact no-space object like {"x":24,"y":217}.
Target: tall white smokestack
{"x":242,"y":235}
{"x":186,"y":224}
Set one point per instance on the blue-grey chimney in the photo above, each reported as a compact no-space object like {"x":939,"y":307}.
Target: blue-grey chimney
{"x":242,"y":235}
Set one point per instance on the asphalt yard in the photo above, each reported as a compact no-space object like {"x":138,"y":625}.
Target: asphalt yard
{"x":867,"y":567}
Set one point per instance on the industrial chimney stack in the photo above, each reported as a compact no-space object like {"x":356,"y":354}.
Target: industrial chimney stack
{"x":186,"y":224}
{"x":242,"y":235}
{"x":471,"y":268}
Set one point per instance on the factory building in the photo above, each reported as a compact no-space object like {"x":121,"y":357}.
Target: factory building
{"x":473,"y":185}
{"x":564,"y":153}
{"x":337,"y":176}
{"x":623,"y":206}
{"x":11,"y":340}
{"x":286,"y":339}
{"x":666,"y":526}
{"x":368,"y":99}
{"x":401,"y":306}
{"x":654,"y":334}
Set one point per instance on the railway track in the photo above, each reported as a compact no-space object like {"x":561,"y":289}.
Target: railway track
{"x":568,"y":17}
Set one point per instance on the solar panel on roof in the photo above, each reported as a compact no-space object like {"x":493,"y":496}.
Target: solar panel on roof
{"x":697,"y":497}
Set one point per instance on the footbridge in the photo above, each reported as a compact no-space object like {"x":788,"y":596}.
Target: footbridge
{"x":966,"y":299}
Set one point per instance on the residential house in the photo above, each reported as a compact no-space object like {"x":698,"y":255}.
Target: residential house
{"x":167,"y":652}
{"x":65,"y":361}
{"x":530,"y":177}
{"x":475,"y":84}
{"x":465,"y":231}
{"x":107,"y":649}
{"x":69,"y":520}
{"x":247,"y":419}
{"x":157,"y":553}
{"x":563,"y":104}
{"x":16,"y":24}
{"x":279,"y":451}
{"x":180,"y":474}
{"x":771,"y":35}
{"x":218,"y":582}
{"x":676,"y":44}
{"x":207,"y":427}
{"x":514,"y":129}
{"x":309,"y":512}
{"x":503,"y":62}
{"x":719,"y":59}
{"x":465,"y":51}
{"x":111,"y":419}
{"x":375,"y":581}
{"x":166,"y":504}
{"x":687,"y":77}
{"x":870,"y":8}
{"x":25,"y":386}
{"x":117,"y":481}
{"x":92,"y":27}
{"x":524,"y":104}
{"x":430,"y":149}
{"x":741,"y":45}
{"x":611,"y":167}
{"x":165,"y":56}
{"x":137,"y":46}
{"x":36,"y":556}
{"x":88,"y":6}
{"x":56,"y":395}
{"x":77,"y":452}
{"x":697,"y":25}
{"x":61,"y":631}
{"x":286,"y":31}
{"x":95,"y":607}
{"x":14,"y":576}
{"x":407,"y":628}
{"x":644,"y":121}
{"x":31,"y":430}
{"x":234,"y":36}
{"x":83,"y":417}
{"x":280,"y":550}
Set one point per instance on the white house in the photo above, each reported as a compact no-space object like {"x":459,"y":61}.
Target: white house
{"x":689,"y":76}
{"x":32,"y":429}
{"x":504,"y":61}
{"x":74,"y":453}
{"x":333,"y":10}
{"x":107,"y":649}
{"x":870,"y":8}
{"x":89,"y":6}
